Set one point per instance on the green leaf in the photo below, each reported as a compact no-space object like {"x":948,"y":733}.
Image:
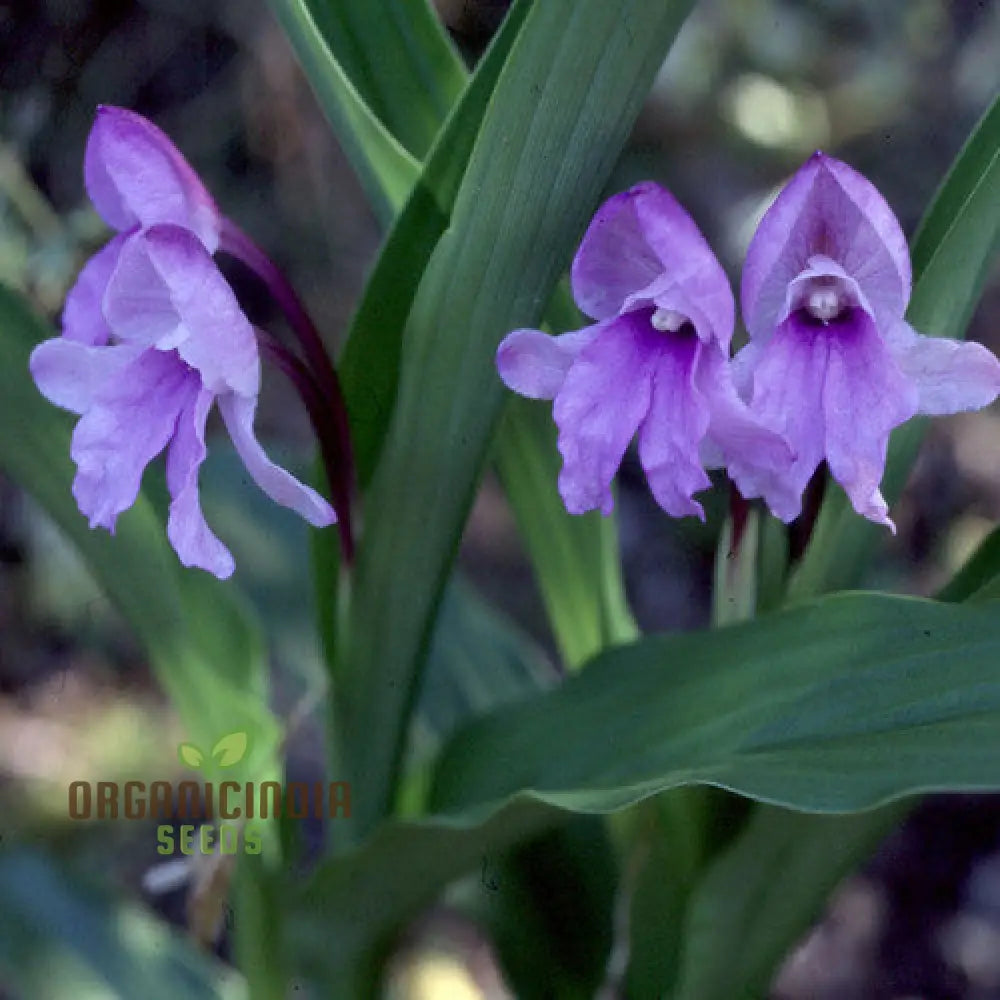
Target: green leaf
{"x":572,"y":85}
{"x":952,"y":254}
{"x":386,"y":169}
{"x":982,"y":567}
{"x":834,"y":706}
{"x":757,"y":899}
{"x":399,"y":59}
{"x":62,"y":939}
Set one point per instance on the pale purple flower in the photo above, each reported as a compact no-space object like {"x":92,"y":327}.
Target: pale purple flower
{"x":153,"y":338}
{"x":655,"y":361}
{"x":831,"y":364}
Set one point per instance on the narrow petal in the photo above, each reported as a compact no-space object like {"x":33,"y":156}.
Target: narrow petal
{"x":136,"y":176}
{"x":831,"y":210}
{"x":168,"y":292}
{"x":865,"y":396}
{"x":71,"y":374}
{"x":193,"y":540}
{"x":671,"y":434}
{"x":950,"y":376}
{"x":282,"y":487}
{"x":604,"y":398}
{"x":788,"y":373}
{"x":756,"y":457}
{"x":130,"y":422}
{"x":534,"y":364}
{"x":638,"y":237}
{"x":83,"y":316}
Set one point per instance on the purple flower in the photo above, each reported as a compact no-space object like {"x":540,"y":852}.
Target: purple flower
{"x":831,"y":364}
{"x":655,"y":361}
{"x":152,"y":338}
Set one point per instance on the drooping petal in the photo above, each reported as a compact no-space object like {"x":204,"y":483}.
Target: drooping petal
{"x":603,"y":399}
{"x":788,"y":373}
{"x":756,"y":457}
{"x":534,"y":364}
{"x":670,"y":435}
{"x":83,"y":315}
{"x":950,"y":376}
{"x":71,"y":374}
{"x":865,"y":396}
{"x":136,"y":176}
{"x":130,"y":422}
{"x":642,"y":236}
{"x":826,"y":209}
{"x":282,"y":487}
{"x":193,"y":540}
{"x":168,"y":292}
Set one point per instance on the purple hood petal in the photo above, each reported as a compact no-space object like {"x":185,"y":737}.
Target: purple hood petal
{"x":135,"y":176}
{"x":640,"y":244}
{"x":828,"y":210}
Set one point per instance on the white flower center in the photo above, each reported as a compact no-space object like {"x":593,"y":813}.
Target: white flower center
{"x":667,"y":321}
{"x":825,"y":303}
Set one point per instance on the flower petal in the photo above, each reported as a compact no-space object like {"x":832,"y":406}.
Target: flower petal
{"x":787,"y":371}
{"x":638,"y":237}
{"x":168,"y":292}
{"x":83,"y":317}
{"x":193,"y":540}
{"x":71,"y":374}
{"x":132,"y":418}
{"x":136,"y":176}
{"x":756,"y":457}
{"x":831,"y":210}
{"x":281,"y":486}
{"x":950,"y":376}
{"x":534,"y":364}
{"x":601,"y":403}
{"x":865,"y":396}
{"x":671,"y":434}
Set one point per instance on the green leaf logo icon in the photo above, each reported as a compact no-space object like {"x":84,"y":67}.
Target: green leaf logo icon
{"x":231,"y":749}
{"x":190,"y":755}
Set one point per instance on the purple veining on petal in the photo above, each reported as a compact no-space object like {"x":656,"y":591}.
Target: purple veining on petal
{"x":830,"y":210}
{"x":136,"y":176}
{"x":604,"y":398}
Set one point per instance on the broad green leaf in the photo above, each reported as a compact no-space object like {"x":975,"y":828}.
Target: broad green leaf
{"x":757,"y":899}
{"x":835,"y":706}
{"x":399,"y":59}
{"x":952,"y":256}
{"x":386,"y":169}
{"x":571,"y":87}
{"x":63,"y":940}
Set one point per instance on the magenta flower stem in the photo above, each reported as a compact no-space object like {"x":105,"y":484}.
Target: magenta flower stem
{"x":235,"y":242}
{"x":322,"y":419}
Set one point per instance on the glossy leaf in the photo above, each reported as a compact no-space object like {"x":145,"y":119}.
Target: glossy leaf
{"x":952,"y":254}
{"x":573,"y":83}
